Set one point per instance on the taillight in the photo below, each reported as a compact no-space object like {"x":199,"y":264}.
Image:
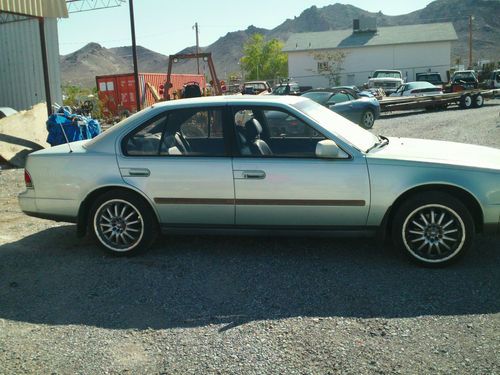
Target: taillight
{"x":27,"y":180}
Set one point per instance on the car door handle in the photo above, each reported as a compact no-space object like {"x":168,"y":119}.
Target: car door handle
{"x":135,"y":172}
{"x":256,"y":175}
{"x":249,"y":174}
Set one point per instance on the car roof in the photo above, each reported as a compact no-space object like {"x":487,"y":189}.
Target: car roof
{"x":229,"y":99}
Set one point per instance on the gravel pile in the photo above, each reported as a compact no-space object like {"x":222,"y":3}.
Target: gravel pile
{"x":239,"y":305}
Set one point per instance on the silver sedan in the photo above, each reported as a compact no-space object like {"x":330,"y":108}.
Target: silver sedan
{"x":226,"y":164}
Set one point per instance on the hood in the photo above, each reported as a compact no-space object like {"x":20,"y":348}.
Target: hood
{"x":438,"y":152}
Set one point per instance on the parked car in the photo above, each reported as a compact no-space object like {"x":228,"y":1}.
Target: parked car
{"x":367,"y":93}
{"x":256,"y":88}
{"x":417,"y":89}
{"x":431,"y":77}
{"x":388,"y":80}
{"x":494,"y":80}
{"x":289,"y":88}
{"x":359,"y":109}
{"x":188,"y":165}
{"x":464,"y":80}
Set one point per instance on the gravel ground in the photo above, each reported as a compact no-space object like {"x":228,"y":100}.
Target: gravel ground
{"x":237,"y":305}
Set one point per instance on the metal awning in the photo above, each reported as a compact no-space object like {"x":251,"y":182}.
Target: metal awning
{"x":35,"y":8}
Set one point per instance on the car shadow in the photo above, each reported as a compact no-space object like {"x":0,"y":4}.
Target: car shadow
{"x":51,"y":277}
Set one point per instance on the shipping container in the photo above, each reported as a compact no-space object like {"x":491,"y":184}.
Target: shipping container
{"x":117,"y":92}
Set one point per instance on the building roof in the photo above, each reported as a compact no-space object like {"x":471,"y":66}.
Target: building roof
{"x":35,"y":8}
{"x":423,"y":33}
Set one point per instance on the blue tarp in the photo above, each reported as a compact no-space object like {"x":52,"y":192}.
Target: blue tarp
{"x":76,"y":127}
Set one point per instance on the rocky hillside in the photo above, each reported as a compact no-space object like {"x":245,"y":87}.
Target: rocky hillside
{"x":82,"y":66}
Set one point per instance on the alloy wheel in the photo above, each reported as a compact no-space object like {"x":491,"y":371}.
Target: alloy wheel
{"x":368,"y":119}
{"x":433,"y":233}
{"x":118,"y":225}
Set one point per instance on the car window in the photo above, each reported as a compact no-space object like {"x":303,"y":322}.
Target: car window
{"x":146,"y":140}
{"x":402,"y":88}
{"x":339,"y":97}
{"x":266,"y":132}
{"x":350,"y":97}
{"x":190,"y":132}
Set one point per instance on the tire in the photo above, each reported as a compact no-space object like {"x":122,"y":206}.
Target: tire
{"x":434,"y":229}
{"x":122,"y":223}
{"x":367,"y":119}
{"x":466,"y":101}
{"x":477,"y":101}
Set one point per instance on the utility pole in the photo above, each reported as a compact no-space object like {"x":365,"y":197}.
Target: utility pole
{"x":134,"y":55}
{"x":197,"y":47}
{"x":470,"y":41}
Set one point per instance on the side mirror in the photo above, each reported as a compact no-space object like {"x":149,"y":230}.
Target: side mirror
{"x":269,"y":89}
{"x":328,"y":149}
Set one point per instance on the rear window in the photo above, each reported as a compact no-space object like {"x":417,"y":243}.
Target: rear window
{"x":432,"y":78}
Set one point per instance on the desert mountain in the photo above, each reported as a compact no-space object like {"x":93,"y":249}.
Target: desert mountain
{"x":82,"y":66}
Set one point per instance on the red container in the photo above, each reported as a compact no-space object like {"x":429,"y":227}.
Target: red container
{"x":117,"y":92}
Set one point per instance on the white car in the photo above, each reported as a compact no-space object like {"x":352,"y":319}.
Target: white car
{"x":417,"y":89}
{"x":191,"y":165}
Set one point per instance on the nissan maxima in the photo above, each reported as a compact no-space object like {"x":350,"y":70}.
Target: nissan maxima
{"x":225,"y":164}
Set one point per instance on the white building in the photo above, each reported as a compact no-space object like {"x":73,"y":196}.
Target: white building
{"x":411,"y":49}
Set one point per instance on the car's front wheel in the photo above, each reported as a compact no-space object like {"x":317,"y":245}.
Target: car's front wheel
{"x":367,"y":119}
{"x":433,"y":228}
{"x":122,"y":223}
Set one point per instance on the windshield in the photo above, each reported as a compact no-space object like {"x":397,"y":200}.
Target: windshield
{"x":338,"y":125}
{"x":386,"y":75}
{"x":465,"y":76}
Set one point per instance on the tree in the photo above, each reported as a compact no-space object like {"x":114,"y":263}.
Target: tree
{"x":330,"y":65}
{"x":264,"y":60}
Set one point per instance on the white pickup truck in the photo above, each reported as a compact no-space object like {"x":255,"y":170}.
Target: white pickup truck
{"x":388,"y":80}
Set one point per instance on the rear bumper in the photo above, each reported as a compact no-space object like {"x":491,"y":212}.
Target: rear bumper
{"x":51,"y":209}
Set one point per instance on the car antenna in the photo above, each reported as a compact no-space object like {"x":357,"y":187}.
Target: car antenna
{"x":57,"y":106}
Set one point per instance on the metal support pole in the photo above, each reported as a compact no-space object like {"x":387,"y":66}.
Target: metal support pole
{"x":470,"y":42}
{"x":48,"y":99}
{"x":134,"y":55}
{"x":197,"y":47}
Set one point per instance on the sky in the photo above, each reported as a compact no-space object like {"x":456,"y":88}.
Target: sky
{"x":166,"y":26}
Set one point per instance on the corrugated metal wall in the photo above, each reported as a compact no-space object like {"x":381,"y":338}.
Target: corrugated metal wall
{"x":21,"y":68}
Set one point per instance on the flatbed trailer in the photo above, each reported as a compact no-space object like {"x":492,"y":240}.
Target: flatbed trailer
{"x":465,"y":99}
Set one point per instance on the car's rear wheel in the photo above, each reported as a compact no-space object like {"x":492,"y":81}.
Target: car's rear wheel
{"x":367,"y":119}
{"x":433,"y":228}
{"x":122,"y":223}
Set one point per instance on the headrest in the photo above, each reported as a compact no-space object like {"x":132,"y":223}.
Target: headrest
{"x":253,"y":129}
